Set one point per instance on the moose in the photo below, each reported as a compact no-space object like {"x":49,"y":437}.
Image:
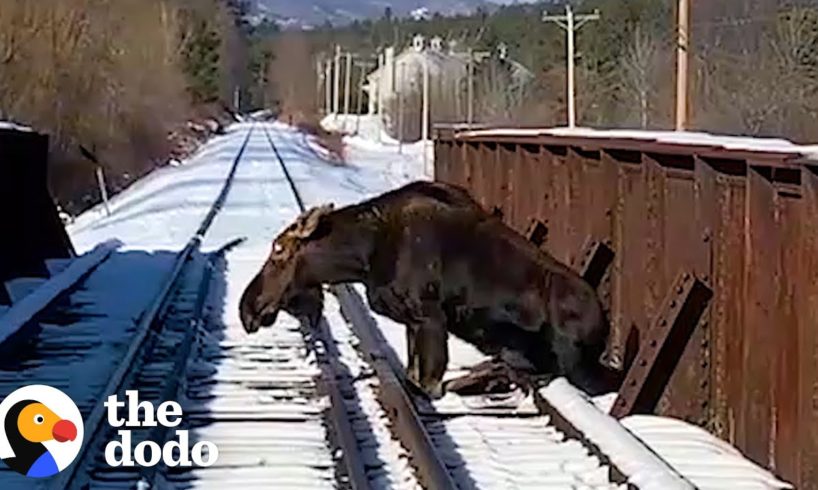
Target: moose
{"x":435,"y":260}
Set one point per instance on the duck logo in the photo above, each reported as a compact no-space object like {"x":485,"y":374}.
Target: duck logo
{"x":41,"y":431}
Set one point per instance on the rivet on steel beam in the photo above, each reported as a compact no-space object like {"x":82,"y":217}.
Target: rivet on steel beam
{"x":608,"y":212}
{"x":679,"y":290}
{"x":653,"y":343}
{"x":663,"y":322}
{"x":633,"y":382}
{"x":686,"y":277}
{"x":643,"y":363}
{"x":673,"y":303}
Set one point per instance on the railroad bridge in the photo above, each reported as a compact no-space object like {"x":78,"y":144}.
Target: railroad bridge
{"x":738,"y":214}
{"x":702,"y":250}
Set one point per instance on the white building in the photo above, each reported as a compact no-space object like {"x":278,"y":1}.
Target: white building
{"x":404,"y":72}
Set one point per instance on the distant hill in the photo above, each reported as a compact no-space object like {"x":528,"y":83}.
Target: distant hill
{"x":312,"y":13}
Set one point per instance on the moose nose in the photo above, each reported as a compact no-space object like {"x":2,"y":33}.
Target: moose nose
{"x":251,"y":325}
{"x":64,"y":430}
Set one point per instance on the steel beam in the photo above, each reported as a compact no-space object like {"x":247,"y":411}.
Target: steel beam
{"x":661,"y":350}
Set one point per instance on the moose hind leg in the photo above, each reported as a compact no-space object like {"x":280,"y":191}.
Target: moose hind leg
{"x":576,"y":365}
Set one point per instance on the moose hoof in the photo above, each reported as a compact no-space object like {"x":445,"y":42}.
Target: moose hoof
{"x":434,"y":391}
{"x":413,"y":375}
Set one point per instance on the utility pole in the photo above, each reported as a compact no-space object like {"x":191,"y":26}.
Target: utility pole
{"x":360,"y":100}
{"x":681,"y":64}
{"x":348,"y":83}
{"x":474,"y":56}
{"x":364,"y":65}
{"x":571,"y":23}
{"x":401,"y":74}
{"x":425,"y":135}
{"x":458,"y":99}
{"x":336,"y":102}
{"x":381,"y":73}
{"x":318,"y":81}
{"x":470,"y":89}
{"x":328,"y":87}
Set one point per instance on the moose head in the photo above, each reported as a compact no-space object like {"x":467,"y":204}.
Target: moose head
{"x":282,"y":282}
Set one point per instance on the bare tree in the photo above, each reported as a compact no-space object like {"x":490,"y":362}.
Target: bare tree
{"x":292,"y":76}
{"x":640,"y":65}
{"x":765,"y":83}
{"x":102,"y":74}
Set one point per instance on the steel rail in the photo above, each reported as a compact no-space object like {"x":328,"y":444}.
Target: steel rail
{"x":406,"y":422}
{"x":149,"y":323}
{"x":171,"y":389}
{"x":330,"y":370}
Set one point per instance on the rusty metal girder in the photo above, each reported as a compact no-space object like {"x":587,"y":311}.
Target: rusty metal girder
{"x":594,"y":262}
{"x":660,"y":351}
{"x":537,"y":232}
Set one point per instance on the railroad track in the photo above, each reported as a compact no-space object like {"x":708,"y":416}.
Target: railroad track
{"x":462,"y":451}
{"x":156,"y":355}
{"x":80,"y":341}
{"x":377,"y":434}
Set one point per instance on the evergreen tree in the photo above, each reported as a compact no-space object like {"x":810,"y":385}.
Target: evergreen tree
{"x":202,"y":62}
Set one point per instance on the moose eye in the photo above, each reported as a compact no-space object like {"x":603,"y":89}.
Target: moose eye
{"x":39,"y":419}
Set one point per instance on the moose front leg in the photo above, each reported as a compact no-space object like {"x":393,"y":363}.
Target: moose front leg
{"x":412,"y":369}
{"x":432,"y":354}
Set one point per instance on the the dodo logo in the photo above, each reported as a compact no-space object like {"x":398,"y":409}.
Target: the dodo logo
{"x":41,"y":431}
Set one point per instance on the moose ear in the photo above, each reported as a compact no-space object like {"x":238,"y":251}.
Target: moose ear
{"x":310,"y":221}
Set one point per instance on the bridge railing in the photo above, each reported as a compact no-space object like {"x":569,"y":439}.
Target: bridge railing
{"x":741,"y":215}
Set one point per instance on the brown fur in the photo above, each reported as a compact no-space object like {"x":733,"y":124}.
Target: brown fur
{"x":433,"y":259}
